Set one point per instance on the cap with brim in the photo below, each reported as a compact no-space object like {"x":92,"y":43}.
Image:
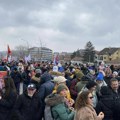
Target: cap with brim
{"x":59,"y":79}
{"x":31,"y":86}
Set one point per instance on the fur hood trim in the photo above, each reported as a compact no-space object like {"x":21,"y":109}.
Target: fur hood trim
{"x":54,"y":99}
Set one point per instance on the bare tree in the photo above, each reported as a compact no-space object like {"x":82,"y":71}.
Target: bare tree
{"x":21,"y":51}
{"x":40,"y":52}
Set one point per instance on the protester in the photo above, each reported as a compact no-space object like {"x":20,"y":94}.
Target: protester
{"x":108,"y":73}
{"x":76,"y":85}
{"x":62,"y":80}
{"x":58,"y":80}
{"x":28,"y":105}
{"x":91,"y":86}
{"x":57,"y":102}
{"x":84,"y":107}
{"x":91,"y":74}
{"x":114,"y":87}
{"x":46,"y":88}
{"x":106,"y":103}
{"x":115,"y":74}
{"x":17,"y":78}
{"x":36,"y":78}
{"x":100,"y":81}
{"x":8,"y":97}
{"x":82,"y":83}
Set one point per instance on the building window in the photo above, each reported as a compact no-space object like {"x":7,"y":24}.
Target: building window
{"x":101,"y":57}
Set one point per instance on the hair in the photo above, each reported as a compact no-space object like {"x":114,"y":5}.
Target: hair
{"x":81,"y":100}
{"x":9,"y":86}
{"x":91,"y":84}
{"x":112,"y":80}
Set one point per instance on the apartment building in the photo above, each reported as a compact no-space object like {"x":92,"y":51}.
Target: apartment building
{"x":41,"y":54}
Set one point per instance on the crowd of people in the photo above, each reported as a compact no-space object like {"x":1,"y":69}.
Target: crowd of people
{"x":48,"y":91}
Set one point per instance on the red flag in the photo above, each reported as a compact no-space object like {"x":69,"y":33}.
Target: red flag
{"x":8,"y":53}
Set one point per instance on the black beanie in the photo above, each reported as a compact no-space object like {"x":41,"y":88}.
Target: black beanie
{"x":91,"y":84}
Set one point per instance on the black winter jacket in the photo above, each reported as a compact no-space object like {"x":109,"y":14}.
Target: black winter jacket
{"x":105,"y":105}
{"x":6,"y":106}
{"x":27,"y":108}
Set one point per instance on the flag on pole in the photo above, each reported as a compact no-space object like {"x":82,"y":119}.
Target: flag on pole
{"x":56,"y":60}
{"x":9,"y":53}
{"x":27,"y":58}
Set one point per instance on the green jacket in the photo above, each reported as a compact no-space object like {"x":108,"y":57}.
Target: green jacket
{"x":59,"y":110}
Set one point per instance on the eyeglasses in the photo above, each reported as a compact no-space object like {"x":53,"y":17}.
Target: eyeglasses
{"x":91,"y":97}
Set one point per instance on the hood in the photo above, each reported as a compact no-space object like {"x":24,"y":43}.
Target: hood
{"x":54,"y":99}
{"x":45,"y":77}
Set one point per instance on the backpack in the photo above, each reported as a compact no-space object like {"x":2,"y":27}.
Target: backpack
{"x":48,"y":113}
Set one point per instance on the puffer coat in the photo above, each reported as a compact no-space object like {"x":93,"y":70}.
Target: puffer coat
{"x":59,"y":110}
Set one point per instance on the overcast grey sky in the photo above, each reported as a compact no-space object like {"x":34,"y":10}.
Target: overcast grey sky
{"x":61,"y":25}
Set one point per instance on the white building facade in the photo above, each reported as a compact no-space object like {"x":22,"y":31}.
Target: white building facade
{"x":41,"y":54}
